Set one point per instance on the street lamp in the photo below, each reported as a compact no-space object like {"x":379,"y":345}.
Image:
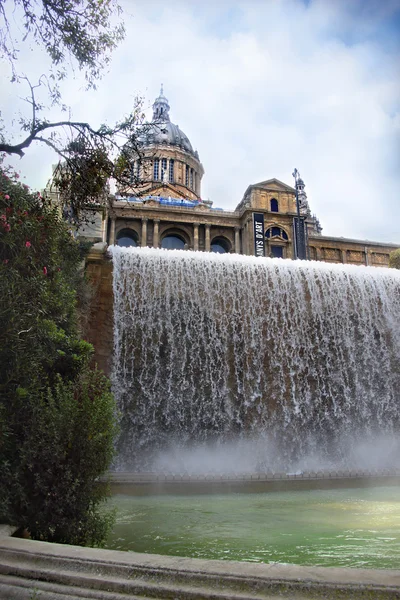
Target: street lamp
{"x":299,"y":226}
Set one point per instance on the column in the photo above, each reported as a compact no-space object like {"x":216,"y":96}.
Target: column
{"x":207,"y":242}
{"x":368,"y":260}
{"x":112,"y":231}
{"x":104,"y":228}
{"x":156,"y":233}
{"x":144,"y":232}
{"x":237,"y":240}
{"x":250,"y":249}
{"x":344,"y":256}
{"x":195,"y":236}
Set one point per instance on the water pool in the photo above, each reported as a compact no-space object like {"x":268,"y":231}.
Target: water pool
{"x":342,"y":527}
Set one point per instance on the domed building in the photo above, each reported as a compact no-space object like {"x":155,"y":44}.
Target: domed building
{"x":162,"y":208}
{"x":168,"y":165}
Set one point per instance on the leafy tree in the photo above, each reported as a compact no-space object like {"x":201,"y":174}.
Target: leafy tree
{"x":74,"y":33}
{"x":77,"y":31}
{"x":394,"y":259}
{"x":56,"y":413}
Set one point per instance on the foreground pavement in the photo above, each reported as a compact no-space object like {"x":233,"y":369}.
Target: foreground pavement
{"x":31,"y":570}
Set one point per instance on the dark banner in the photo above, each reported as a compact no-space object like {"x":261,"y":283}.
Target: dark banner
{"x":259,"y":241}
{"x":300,"y":238}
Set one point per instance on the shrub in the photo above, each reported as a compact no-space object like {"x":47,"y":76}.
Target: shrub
{"x":56,"y":413}
{"x":67,"y":447}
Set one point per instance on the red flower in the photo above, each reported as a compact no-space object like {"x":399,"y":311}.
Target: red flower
{"x":28,"y":244}
{"x":45,"y":270}
{"x":8,"y":210}
{"x":7,"y":197}
{"x":5,"y":261}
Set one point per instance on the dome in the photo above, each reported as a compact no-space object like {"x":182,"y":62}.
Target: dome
{"x":162,"y":131}
{"x":168,"y":133}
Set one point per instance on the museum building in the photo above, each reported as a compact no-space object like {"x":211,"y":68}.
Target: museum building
{"x":163,"y":208}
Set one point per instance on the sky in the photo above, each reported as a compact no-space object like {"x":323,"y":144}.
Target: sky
{"x":259,"y":87}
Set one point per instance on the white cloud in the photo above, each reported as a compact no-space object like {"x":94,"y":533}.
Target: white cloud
{"x":262,"y":87}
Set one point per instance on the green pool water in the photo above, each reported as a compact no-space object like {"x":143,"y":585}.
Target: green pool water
{"x":352,"y":528}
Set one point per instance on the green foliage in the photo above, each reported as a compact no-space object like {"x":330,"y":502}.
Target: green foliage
{"x":394,"y":259}
{"x":80,"y":30}
{"x":68,"y":446}
{"x":56,"y":414}
{"x":38,"y":262}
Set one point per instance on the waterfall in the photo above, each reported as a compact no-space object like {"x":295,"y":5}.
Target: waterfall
{"x":252,"y":363}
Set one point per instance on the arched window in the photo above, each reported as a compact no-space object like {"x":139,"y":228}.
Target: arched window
{"x":220,"y":245}
{"x":156,"y":169}
{"x":163,"y":168}
{"x":274,"y":205}
{"x":127,"y":237}
{"x":171,"y":170}
{"x":173,"y":242}
{"x":276,"y":232}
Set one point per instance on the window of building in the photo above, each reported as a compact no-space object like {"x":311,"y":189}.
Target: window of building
{"x":156,"y":169}
{"x":191,"y":178}
{"x":171,"y":170}
{"x":163,"y":167}
{"x":173,"y":242}
{"x":187,"y":176}
{"x":276,"y":232}
{"x":274,"y":205}
{"x":134,"y":171}
{"x":220,"y":245}
{"x":277,"y":251}
{"x":127,"y":237}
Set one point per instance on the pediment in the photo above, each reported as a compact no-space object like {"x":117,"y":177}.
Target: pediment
{"x":164,"y":190}
{"x":273,"y":185}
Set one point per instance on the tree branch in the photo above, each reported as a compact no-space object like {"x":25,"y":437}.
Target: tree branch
{"x":33,"y":136}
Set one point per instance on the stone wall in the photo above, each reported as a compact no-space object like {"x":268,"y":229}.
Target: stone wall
{"x":100,"y":326}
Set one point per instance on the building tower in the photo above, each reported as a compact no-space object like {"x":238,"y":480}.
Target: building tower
{"x":167,"y":166}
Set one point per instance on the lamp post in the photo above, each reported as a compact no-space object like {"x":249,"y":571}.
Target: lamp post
{"x":299,"y":226}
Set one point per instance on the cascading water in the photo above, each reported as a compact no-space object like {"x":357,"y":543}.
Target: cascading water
{"x":231,"y":363}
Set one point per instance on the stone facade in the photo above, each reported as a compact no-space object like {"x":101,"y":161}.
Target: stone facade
{"x":163,"y":208}
{"x":201,"y":227}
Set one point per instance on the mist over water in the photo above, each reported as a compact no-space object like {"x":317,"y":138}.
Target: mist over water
{"x":227,"y":363}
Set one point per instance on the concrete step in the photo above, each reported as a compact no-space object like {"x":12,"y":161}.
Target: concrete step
{"x":28,"y":567}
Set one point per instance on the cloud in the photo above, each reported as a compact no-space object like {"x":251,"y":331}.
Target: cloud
{"x":263,"y":87}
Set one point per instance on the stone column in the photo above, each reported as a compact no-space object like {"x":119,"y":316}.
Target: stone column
{"x":250,"y":251}
{"x":207,"y":242}
{"x":195,"y":236}
{"x":112,"y":231}
{"x":237,"y":240}
{"x":344,"y":256}
{"x":156,"y":233}
{"x":104,"y":224}
{"x":144,"y":232}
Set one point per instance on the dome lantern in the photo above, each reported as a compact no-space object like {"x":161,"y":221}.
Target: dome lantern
{"x":161,"y":107}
